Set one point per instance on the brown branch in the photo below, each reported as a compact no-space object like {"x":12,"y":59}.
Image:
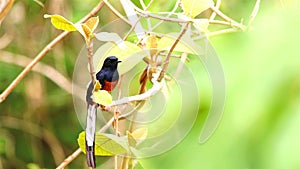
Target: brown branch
{"x":166,"y":61}
{"x":69,"y":159}
{"x":43,"y":69}
{"x":116,"y":12}
{"x":44,"y":51}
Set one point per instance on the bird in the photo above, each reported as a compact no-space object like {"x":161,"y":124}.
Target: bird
{"x":108,"y":77}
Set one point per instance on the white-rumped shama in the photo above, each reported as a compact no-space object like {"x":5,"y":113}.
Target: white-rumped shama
{"x":108,"y":77}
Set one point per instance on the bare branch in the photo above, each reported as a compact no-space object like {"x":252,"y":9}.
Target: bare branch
{"x":116,"y":12}
{"x":228,"y":19}
{"x":43,"y":69}
{"x":219,"y":32}
{"x":69,"y":159}
{"x":166,"y":61}
{"x":148,"y":14}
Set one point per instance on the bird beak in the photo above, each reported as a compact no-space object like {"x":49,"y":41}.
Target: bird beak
{"x":119,"y":61}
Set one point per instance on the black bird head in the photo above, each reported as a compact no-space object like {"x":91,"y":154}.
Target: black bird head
{"x":111,"y":62}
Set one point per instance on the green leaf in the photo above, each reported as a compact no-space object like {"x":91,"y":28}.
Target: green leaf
{"x":61,"y":23}
{"x":33,"y":166}
{"x":192,"y":8}
{"x":130,"y":56}
{"x":105,"y":144}
{"x":111,"y":143}
{"x":102,"y":97}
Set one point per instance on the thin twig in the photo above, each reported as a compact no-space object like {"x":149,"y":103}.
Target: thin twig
{"x":254,"y":12}
{"x":44,"y":51}
{"x":156,"y":87}
{"x":69,"y":159}
{"x":168,"y":15}
{"x":219,"y":32}
{"x":228,"y":19}
{"x":166,"y":61}
{"x":116,"y":12}
{"x":213,"y":15}
{"x":220,"y":22}
{"x":147,"y":14}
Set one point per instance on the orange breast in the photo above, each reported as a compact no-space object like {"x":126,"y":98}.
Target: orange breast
{"x":109,"y":86}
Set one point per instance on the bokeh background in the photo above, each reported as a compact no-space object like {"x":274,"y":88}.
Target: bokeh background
{"x":261,"y":120}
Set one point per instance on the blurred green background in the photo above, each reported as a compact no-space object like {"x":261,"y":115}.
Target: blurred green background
{"x":261,"y":120}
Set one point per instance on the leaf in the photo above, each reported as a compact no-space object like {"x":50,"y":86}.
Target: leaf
{"x":166,"y":42}
{"x":111,"y":37}
{"x":140,"y":134}
{"x":131,"y":140}
{"x":201,"y":24}
{"x":110,"y":143}
{"x":92,"y":23}
{"x":151,"y":44}
{"x":87,"y":31}
{"x":105,"y":144}
{"x":32,"y":166}
{"x":61,"y":23}
{"x":192,"y":8}
{"x":97,"y":86}
{"x":137,"y":136}
{"x":130,"y":56}
{"x":102,"y":97}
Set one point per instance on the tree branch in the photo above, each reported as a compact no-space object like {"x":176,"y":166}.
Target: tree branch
{"x":166,"y":61}
{"x":43,"y":69}
{"x":116,"y":12}
{"x":44,"y":51}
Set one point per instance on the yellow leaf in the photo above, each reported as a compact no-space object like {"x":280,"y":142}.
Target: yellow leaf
{"x":102,"y":97}
{"x":92,"y":23}
{"x":87,"y":31}
{"x":140,"y":134}
{"x":166,"y":42}
{"x":131,"y":140}
{"x":151,"y":44}
{"x":104,"y":146}
{"x":61,"y":23}
{"x":192,"y":8}
{"x":97,"y":86}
